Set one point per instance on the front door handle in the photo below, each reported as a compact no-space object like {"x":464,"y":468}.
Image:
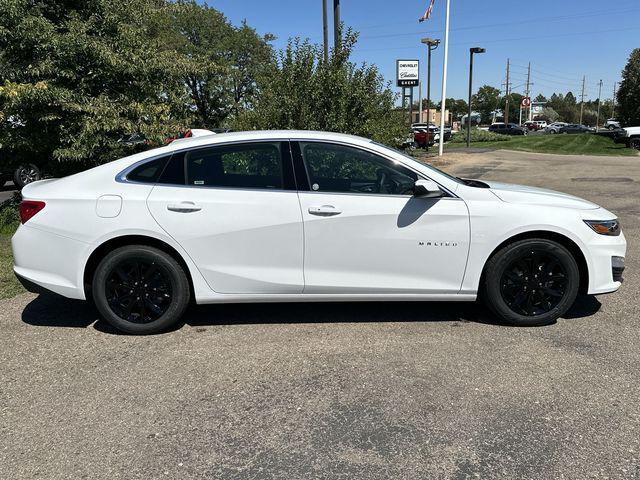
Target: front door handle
{"x":324,"y":211}
{"x":184,"y":207}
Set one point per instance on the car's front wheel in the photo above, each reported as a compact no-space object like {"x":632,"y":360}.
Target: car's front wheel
{"x":140,"y":289}
{"x":531,"y":282}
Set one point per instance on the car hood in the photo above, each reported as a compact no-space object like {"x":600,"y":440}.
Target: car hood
{"x":524,"y":195}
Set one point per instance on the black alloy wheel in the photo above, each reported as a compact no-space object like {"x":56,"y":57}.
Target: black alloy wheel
{"x":533,"y":284}
{"x":140,"y":289}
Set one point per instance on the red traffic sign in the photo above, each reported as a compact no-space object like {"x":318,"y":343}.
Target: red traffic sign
{"x":526,"y":102}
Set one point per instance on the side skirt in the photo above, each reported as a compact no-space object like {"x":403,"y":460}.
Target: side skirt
{"x":321,"y":297}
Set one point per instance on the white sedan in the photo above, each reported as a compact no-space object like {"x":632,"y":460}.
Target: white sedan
{"x":295,"y":216}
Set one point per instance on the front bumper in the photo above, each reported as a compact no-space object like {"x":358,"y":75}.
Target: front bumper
{"x":606,"y":263}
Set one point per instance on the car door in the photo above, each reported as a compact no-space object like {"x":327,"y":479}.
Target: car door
{"x":235,"y":210}
{"x":365,"y":232}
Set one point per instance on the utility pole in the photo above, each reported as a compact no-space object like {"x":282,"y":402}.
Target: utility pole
{"x":613,"y":105}
{"x":325,"y":31}
{"x":582,"y":98}
{"x":506,"y":108}
{"x":529,"y":90}
{"x":336,"y":25}
{"x":599,"y":95}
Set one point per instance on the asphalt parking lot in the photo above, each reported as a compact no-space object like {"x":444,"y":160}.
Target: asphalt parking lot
{"x":392,"y":390}
{"x":6,"y":191}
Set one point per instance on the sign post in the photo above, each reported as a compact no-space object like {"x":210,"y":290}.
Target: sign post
{"x":526,"y":103}
{"x":407,"y":77}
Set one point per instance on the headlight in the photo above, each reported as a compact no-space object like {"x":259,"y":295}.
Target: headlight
{"x":605,"y":227}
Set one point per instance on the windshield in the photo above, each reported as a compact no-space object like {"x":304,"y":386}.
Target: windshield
{"x":430,"y":167}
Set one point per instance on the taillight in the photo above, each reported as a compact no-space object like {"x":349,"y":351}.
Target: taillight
{"x":28,"y":208}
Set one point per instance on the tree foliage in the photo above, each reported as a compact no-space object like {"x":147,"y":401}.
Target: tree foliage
{"x":629,"y":93}
{"x":485,"y":102}
{"x":78,"y":78}
{"x":302,"y":91}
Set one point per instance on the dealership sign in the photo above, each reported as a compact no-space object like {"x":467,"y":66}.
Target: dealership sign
{"x":407,"y":73}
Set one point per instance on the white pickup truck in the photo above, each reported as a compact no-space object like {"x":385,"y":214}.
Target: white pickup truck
{"x":631,"y":137}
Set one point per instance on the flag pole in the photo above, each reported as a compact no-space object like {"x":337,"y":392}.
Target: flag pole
{"x":444,"y":80}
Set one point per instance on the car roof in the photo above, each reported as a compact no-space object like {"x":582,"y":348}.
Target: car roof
{"x":262,"y":135}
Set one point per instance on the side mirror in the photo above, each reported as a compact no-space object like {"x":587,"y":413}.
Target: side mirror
{"x":427,"y":189}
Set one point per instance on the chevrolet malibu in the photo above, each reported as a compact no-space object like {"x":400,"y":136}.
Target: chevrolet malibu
{"x":286,"y":216}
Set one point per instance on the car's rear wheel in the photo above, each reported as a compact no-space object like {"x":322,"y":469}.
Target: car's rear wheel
{"x":25,"y":174}
{"x":531,"y":282}
{"x":140,"y":289}
{"x":635,"y":143}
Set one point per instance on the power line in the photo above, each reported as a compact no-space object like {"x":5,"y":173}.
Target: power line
{"x":598,"y":13}
{"x":591,"y":32}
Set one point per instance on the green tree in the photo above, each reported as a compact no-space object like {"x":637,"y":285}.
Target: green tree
{"x":485,"y":102}
{"x":628,"y":110}
{"x":77,"y":76}
{"x":457,"y":108}
{"x":78,"y":79}
{"x":302,"y":91}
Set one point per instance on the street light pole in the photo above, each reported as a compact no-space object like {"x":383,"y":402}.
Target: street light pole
{"x":471,"y":52}
{"x":431,"y":44}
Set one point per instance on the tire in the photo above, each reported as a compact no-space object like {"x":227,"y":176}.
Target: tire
{"x":165,"y":285}
{"x":552,"y":131}
{"x":634,"y":143}
{"x":25,"y":174}
{"x":521,"y":299}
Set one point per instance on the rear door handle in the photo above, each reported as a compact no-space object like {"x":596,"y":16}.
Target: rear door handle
{"x":324,"y":211}
{"x":184,"y":207}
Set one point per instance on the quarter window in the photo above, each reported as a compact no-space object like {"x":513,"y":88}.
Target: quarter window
{"x":255,"y":165}
{"x":342,"y":169}
{"x":148,"y":172}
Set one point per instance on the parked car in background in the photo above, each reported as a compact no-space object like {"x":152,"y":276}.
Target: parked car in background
{"x":531,"y":126}
{"x":554,"y":127}
{"x":630,"y":136}
{"x":575,"y":128}
{"x":612,"y":124}
{"x":508,"y":129}
{"x":20,"y":174}
{"x":422,"y":137}
{"x":300,"y":216}
{"x":542,"y":124}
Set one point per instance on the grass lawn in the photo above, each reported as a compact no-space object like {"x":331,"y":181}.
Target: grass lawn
{"x":9,"y":286}
{"x":584,"y":144}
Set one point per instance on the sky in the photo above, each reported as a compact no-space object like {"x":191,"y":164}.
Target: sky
{"x":563,"y":39}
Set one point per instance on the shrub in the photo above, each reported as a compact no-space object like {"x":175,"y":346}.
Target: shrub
{"x":9,"y":217}
{"x":478,"y":135}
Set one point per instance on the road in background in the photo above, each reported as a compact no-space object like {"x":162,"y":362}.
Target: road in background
{"x":7,"y":191}
{"x":357,"y":391}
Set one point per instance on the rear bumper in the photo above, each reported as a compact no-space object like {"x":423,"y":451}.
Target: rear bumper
{"x":45,"y":261}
